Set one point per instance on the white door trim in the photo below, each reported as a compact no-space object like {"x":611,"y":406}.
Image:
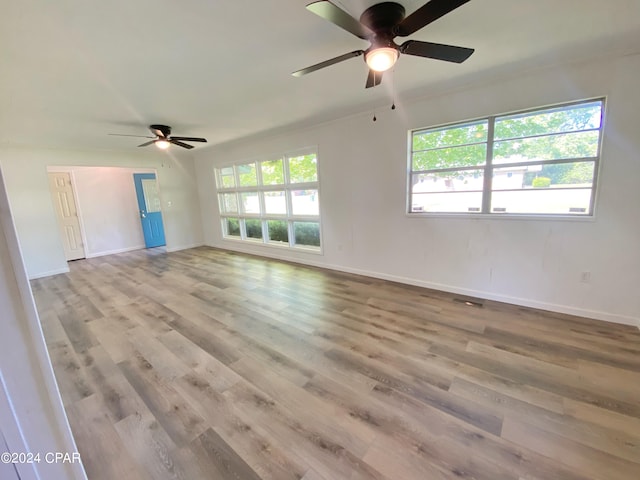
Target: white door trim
{"x":10,"y":429}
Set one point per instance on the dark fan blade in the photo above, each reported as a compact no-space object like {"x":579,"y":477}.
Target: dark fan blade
{"x":180,"y":144}
{"x":318,"y":66}
{"x":374,"y":78}
{"x":190,"y":139}
{"x":123,"y":135}
{"x":147,"y":143}
{"x":339,"y":17}
{"x":448,"y":53}
{"x":426,"y":14}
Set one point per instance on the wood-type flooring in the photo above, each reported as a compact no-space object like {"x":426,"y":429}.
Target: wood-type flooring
{"x":208,"y":364}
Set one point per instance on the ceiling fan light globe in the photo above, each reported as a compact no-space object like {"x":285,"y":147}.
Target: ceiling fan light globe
{"x":162,"y":144}
{"x":381,"y":59}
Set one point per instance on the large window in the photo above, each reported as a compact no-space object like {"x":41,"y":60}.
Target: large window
{"x":540,"y":162}
{"x":274,"y":201}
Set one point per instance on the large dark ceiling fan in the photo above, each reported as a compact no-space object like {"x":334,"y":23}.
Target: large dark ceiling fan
{"x":379,"y":25}
{"x":162,"y":138}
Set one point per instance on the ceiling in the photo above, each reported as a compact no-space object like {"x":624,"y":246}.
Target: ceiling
{"x":73,"y":71}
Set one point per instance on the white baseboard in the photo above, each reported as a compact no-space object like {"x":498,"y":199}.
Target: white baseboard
{"x":49,"y":273}
{"x":184,"y":247}
{"x":524,"y":302}
{"x":112,"y":252}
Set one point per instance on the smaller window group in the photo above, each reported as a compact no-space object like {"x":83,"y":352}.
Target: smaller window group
{"x":275,"y":201}
{"x":541,"y":162}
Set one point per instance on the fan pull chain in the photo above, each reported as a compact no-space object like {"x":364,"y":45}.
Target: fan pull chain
{"x":393,"y":88}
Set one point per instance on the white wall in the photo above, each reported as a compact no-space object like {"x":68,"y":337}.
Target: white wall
{"x":32,"y":417}
{"x":25,"y":173}
{"x":533,"y":262}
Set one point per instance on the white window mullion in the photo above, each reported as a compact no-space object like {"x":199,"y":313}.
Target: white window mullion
{"x":488,"y":168}
{"x":285,"y":167}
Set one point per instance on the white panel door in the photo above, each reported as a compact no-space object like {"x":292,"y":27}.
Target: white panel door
{"x":67,"y":213}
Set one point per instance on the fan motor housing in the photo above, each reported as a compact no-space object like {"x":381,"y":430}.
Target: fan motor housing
{"x":382,"y":17}
{"x":165,"y":129}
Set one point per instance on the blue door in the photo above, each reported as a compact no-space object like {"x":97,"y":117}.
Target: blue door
{"x":150,"y":209}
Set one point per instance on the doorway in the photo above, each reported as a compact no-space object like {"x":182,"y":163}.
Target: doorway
{"x":107,"y":207}
{"x":149,"y":205}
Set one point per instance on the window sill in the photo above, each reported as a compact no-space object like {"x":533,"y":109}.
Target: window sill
{"x":277,"y":246}
{"x":506,"y":216}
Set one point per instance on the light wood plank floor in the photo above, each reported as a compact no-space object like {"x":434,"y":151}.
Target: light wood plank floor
{"x":206,"y":364}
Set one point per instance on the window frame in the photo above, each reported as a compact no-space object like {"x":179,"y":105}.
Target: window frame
{"x":287,"y":187}
{"x":489,"y":166}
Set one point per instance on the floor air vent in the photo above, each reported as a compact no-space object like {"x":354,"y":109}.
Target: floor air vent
{"x":471,"y":302}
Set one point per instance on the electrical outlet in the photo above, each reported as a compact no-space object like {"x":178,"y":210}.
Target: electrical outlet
{"x":585,"y":277}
